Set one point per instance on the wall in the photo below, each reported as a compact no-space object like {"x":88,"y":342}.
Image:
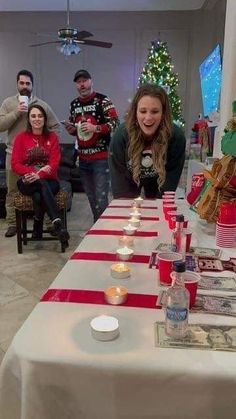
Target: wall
{"x":190,"y":37}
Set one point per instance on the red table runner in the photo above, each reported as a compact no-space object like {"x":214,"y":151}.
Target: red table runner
{"x":125,"y":217}
{"x":130,"y":206}
{"x":109,"y":257}
{"x":95,"y":232}
{"x":97,"y":297}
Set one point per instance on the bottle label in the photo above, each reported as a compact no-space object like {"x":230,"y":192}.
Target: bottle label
{"x":176,"y":314}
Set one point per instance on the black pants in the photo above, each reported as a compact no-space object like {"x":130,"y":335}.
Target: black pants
{"x":42,"y":192}
{"x":150,"y":187}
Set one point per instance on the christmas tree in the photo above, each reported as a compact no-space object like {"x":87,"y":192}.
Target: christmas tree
{"x":159,"y":70}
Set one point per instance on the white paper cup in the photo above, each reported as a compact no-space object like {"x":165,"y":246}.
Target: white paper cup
{"x":83,"y":135}
{"x":24,"y":100}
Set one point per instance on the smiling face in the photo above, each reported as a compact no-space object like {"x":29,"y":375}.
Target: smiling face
{"x":149,"y":114}
{"x":36,"y":120}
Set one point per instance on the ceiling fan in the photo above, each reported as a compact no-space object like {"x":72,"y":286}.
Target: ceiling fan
{"x":69,"y":38}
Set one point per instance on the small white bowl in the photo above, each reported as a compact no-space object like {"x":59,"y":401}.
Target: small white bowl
{"x":135,"y":214}
{"x":124,"y":253}
{"x":129,"y":230}
{"x":135,"y":222}
{"x":138,"y":201}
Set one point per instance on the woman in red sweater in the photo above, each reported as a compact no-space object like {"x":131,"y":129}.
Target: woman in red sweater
{"x":35,"y":158}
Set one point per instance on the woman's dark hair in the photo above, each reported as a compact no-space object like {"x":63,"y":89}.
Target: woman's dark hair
{"x":42,"y":110}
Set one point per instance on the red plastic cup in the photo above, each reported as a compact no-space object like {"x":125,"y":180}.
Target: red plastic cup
{"x":191,"y":280}
{"x":169,"y":207}
{"x":225,"y":235}
{"x":167,"y":202}
{"x":188,"y":238}
{"x":171,"y":214}
{"x":165,"y":266}
{"x":172,"y":222}
{"x":169,"y":193}
{"x":227,"y":213}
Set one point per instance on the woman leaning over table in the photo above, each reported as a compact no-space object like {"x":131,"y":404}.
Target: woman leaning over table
{"x":35,"y":158}
{"x":148,"y":150}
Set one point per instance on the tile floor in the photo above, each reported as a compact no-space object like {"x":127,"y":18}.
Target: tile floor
{"x":24,"y":278}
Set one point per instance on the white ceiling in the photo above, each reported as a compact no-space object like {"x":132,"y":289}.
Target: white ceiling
{"x":101,"y":5}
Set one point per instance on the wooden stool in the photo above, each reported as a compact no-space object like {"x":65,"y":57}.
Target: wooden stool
{"x":24,"y":207}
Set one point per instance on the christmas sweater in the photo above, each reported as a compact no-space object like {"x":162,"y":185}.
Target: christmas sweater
{"x":14,"y":122}
{"x":32,"y":152}
{"x":100,"y":111}
{"x":122,"y":181}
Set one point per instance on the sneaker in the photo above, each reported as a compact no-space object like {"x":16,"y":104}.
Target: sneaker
{"x":11,"y":231}
{"x":57,"y":224}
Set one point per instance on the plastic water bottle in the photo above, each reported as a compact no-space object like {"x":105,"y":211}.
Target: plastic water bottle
{"x":177,"y":304}
{"x":178,"y":241}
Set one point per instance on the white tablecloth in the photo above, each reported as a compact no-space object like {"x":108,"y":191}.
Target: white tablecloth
{"x":54,"y":369}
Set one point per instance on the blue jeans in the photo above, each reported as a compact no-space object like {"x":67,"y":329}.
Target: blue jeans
{"x":95,"y":180}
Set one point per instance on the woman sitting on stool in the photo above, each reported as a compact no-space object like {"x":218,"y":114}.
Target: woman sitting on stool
{"x":35,"y":157}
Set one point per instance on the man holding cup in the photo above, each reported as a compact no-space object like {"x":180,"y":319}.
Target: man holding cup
{"x":13,"y":119}
{"x":92,"y":120}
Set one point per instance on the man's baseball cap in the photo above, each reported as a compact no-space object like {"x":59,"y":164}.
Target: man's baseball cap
{"x":82,"y":73}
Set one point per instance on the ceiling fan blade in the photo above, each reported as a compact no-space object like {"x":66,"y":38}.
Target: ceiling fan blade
{"x":83,"y":34}
{"x":94,"y":43}
{"x":45,"y":43}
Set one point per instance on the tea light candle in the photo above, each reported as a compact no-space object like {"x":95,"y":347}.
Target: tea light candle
{"x":116,"y":295}
{"x":125,"y":253}
{"x":126,"y":241}
{"x":138,"y":201}
{"x":129,"y":230}
{"x":135,"y":214}
{"x":134,"y":207}
{"x":104,"y":328}
{"x":134,"y":221}
{"x":120,"y":271}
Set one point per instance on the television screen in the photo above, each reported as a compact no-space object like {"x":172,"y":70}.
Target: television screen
{"x":210,"y":76}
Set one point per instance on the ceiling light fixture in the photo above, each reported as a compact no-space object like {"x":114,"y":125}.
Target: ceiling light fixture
{"x":69,"y":47}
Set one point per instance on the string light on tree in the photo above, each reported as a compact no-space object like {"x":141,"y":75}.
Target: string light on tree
{"x":159,"y":70}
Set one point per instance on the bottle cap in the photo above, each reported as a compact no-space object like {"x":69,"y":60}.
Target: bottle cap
{"x":179,"y":266}
{"x":179,"y":218}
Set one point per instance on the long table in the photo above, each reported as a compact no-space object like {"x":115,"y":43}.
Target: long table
{"x":54,"y":369}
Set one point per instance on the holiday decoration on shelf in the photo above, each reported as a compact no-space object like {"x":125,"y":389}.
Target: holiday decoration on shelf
{"x":220,"y":185}
{"x":159,"y":70}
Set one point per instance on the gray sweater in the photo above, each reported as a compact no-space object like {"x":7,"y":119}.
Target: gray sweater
{"x":14,"y":122}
